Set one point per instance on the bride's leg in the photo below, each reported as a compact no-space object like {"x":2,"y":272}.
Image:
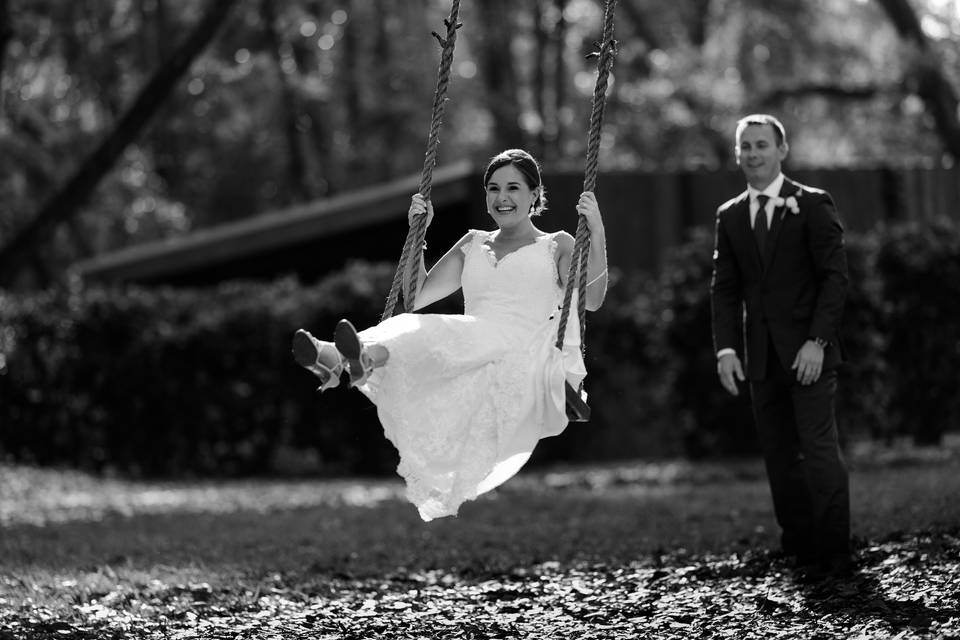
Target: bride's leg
{"x":378,"y":354}
{"x":361,"y":358}
{"x":320,"y":358}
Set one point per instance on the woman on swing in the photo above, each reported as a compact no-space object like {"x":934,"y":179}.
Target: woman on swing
{"x":465,"y":398}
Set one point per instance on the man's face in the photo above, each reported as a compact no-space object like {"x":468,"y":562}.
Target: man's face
{"x":758,"y":154}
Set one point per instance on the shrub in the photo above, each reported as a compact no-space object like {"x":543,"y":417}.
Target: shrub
{"x":919,"y":263}
{"x":712,"y":421}
{"x":627,"y":383}
{"x":163,"y":381}
{"x":160,"y":381}
{"x":864,"y":390}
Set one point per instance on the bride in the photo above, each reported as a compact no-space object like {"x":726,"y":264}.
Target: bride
{"x":465,"y":398}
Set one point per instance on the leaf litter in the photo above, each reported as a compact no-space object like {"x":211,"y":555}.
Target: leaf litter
{"x":907,"y":583}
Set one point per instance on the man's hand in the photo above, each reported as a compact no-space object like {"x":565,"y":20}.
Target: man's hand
{"x":808,"y":363}
{"x":729,"y":370}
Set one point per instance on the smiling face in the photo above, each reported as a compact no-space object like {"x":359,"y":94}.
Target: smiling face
{"x":509,"y":197}
{"x":759,"y":154}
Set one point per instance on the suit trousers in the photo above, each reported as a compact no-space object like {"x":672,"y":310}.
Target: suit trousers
{"x":808,"y":478}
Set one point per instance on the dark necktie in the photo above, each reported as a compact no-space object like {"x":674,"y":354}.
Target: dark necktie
{"x":760,"y":223}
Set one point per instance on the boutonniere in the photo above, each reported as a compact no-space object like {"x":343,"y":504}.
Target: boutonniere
{"x":790,"y":202}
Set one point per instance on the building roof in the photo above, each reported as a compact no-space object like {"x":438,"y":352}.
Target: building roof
{"x":208,"y":248}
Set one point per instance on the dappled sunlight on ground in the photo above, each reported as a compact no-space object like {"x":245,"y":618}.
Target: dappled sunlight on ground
{"x":593,"y":551}
{"x":37,"y":496}
{"x":42,"y":496}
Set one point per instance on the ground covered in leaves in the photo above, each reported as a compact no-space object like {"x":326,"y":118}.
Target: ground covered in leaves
{"x":666,"y":550}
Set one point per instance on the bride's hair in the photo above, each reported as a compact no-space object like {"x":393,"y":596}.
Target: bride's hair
{"x":528,"y":167}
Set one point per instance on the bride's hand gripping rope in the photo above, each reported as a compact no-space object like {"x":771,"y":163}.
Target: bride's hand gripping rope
{"x":418,"y":207}
{"x":588,"y":207}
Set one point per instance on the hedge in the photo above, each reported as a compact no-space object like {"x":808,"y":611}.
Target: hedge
{"x":161,"y":381}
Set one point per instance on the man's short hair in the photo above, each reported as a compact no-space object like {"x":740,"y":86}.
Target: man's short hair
{"x":761,"y":119}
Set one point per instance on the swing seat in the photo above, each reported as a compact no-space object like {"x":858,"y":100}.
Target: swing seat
{"x":577,"y":408}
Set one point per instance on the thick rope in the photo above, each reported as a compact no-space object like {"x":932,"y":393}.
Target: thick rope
{"x":413,"y":246}
{"x":581,"y":247}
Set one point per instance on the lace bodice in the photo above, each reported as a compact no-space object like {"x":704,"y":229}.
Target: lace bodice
{"x":522,"y":285}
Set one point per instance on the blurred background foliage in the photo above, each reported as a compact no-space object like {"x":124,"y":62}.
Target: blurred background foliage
{"x":294,"y":100}
{"x":288,"y":101}
{"x":163,"y":381}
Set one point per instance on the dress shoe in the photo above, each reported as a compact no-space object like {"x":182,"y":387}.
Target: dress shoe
{"x":319,"y":358}
{"x":359,"y":362}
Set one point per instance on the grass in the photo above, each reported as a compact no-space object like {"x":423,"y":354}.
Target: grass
{"x":87,"y":557}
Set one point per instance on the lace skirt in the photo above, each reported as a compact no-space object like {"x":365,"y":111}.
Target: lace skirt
{"x":465,"y":400}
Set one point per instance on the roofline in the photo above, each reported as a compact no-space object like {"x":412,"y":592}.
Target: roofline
{"x":294,"y":225}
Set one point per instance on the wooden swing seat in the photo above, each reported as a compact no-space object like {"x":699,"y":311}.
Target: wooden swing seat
{"x":577,"y":409}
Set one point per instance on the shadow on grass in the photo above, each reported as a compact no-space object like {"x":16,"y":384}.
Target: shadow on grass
{"x":495,"y":533}
{"x":864,"y":595}
{"x":612,"y":515}
{"x":611,"y":552}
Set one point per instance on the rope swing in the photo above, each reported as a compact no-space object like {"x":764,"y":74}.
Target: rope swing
{"x":413,"y":246}
{"x":577,"y":408}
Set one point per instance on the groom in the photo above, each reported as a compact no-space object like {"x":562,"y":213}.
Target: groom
{"x":779,"y":256}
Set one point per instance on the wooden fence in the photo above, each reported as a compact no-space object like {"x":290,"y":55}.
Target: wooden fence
{"x":646,"y":214}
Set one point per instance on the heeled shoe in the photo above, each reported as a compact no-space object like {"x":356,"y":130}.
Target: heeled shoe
{"x":310,"y":353}
{"x":359,"y":362}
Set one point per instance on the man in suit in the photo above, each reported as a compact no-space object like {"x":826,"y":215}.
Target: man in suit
{"x":780,"y":268}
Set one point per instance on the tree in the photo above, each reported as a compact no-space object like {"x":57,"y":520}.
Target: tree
{"x":499,"y":71}
{"x":65,"y":202}
{"x":6,"y":31}
{"x":925,"y":74}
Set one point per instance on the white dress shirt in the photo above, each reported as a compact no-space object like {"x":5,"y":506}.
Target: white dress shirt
{"x":772,"y":190}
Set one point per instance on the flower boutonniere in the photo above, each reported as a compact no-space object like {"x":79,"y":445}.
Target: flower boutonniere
{"x":790,"y":202}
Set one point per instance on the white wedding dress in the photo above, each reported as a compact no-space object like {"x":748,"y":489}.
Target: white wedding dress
{"x":465,"y":398}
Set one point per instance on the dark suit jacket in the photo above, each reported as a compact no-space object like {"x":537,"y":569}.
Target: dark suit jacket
{"x":794,"y":292}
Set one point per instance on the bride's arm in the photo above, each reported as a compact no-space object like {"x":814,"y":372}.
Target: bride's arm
{"x":596,"y":269}
{"x":444,"y":278}
{"x":588,"y":207}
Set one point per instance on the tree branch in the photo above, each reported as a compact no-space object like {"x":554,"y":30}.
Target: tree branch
{"x":928,"y":79}
{"x":65,"y":203}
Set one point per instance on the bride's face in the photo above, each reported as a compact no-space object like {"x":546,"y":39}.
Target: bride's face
{"x":509,"y":197}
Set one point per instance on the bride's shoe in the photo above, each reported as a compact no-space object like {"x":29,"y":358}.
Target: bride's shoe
{"x":359,"y":362}
{"x":315,"y":355}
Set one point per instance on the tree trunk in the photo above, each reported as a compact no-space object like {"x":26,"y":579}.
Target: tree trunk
{"x":499,"y":72}
{"x":698,"y":25}
{"x":296,"y":190}
{"x":928,"y":79}
{"x":542,"y":39}
{"x":167,"y":149}
{"x":559,"y":81}
{"x":6,"y":33}
{"x":388,"y":124}
{"x":68,"y":200}
{"x":348,"y":85}
{"x":317,"y":113}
